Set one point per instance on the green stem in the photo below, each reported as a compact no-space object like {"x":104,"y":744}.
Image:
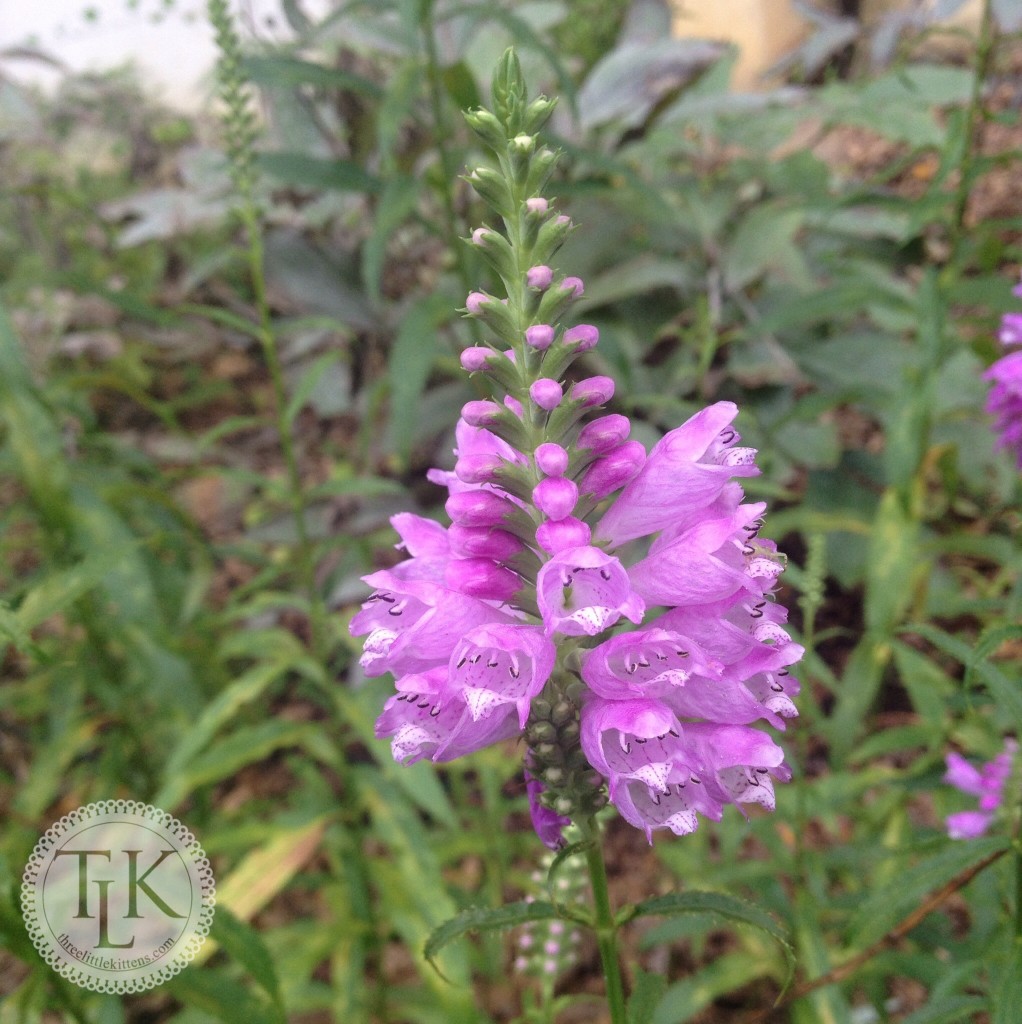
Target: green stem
{"x":1018,"y":892}
{"x":271,"y":354}
{"x":605,"y":926}
{"x":442,"y":132}
{"x":976,"y":114}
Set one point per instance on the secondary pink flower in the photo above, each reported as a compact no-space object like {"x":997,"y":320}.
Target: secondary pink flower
{"x":987,"y":783}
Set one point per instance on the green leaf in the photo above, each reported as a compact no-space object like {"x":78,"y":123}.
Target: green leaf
{"x":764,"y":240}
{"x":687,"y":997}
{"x":411,"y":360}
{"x":859,"y":685}
{"x":397,"y":201}
{"x":893,"y":564}
{"x":245,"y":945}
{"x":306,"y":171}
{"x":883,"y":909}
{"x":1008,"y":995}
{"x":307,"y":384}
{"x":647,"y":991}
{"x":483,"y":919}
{"x":219,"y":995}
{"x":245,"y":689}
{"x":276,"y":71}
{"x":716,"y":904}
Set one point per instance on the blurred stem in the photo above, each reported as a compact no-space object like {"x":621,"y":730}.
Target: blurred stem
{"x":271,"y":354}
{"x":1018,"y":891}
{"x":443,"y":131}
{"x":605,"y":925}
{"x":975,"y":116}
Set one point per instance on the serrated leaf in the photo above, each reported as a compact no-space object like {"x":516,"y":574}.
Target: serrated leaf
{"x":720,"y":905}
{"x":484,"y":919}
{"x":883,"y":909}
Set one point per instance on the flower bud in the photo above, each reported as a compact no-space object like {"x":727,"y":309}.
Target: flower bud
{"x":475,"y":358}
{"x":560,"y":535}
{"x":481,"y":413}
{"x":523,"y":144}
{"x":483,"y":542}
{"x":603,"y":434}
{"x":593,"y":391}
{"x":482,"y":578}
{"x":487,"y":126}
{"x":551,"y":459}
{"x":576,"y":284}
{"x":539,"y":336}
{"x":555,"y":497}
{"x":613,"y":470}
{"x":478,"y":469}
{"x":546,"y":393}
{"x":490,"y":184}
{"x":537,"y":205}
{"x":583,"y":337}
{"x":539,"y":277}
{"x":478,"y":508}
{"x":475,"y":302}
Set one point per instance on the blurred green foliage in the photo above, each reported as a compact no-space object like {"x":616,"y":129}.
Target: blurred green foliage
{"x":829,"y":257}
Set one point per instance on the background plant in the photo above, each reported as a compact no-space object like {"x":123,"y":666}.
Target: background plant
{"x":835,"y":257}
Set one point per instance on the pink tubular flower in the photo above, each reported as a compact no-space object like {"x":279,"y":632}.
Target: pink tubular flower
{"x":987,"y":783}
{"x":686,"y":470}
{"x":583,"y":591}
{"x":500,"y":664}
{"x":1005,"y":402}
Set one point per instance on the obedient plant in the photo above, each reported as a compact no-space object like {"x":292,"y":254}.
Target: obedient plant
{"x":987,"y":783}
{"x":611,"y":606}
{"x":1005,"y":400}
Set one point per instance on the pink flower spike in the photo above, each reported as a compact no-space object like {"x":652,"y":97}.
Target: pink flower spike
{"x":480,"y":413}
{"x":475,"y":302}
{"x":539,"y":277}
{"x":474,"y":358}
{"x":539,"y":336}
{"x":583,"y":591}
{"x":537,"y":205}
{"x":574,"y":283}
{"x":555,"y":497}
{"x":482,"y":578}
{"x":584,"y":337}
{"x":554,"y":536}
{"x":546,"y":393}
{"x":551,"y":459}
{"x":593,"y":391}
